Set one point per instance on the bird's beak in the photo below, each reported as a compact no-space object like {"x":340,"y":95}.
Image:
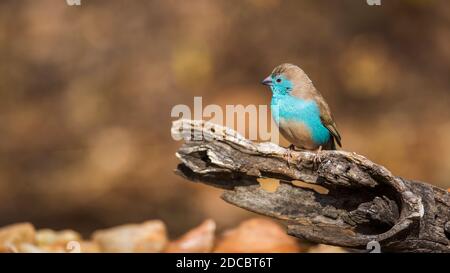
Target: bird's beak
{"x":268,"y":81}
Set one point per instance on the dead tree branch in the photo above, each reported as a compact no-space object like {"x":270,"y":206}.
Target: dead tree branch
{"x":365,"y":201}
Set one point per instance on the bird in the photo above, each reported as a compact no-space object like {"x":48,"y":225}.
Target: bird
{"x":300,"y":111}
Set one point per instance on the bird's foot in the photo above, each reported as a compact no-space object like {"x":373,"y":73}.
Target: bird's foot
{"x":316,"y":159}
{"x":288,"y":154}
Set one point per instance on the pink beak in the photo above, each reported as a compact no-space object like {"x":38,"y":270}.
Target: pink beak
{"x":268,"y":81}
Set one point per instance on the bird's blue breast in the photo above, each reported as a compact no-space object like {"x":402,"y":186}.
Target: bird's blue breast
{"x":298,"y":110}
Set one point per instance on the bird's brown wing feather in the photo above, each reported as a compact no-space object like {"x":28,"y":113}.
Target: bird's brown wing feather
{"x":327,"y":120}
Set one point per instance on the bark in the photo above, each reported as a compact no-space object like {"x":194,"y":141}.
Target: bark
{"x":365,"y":202}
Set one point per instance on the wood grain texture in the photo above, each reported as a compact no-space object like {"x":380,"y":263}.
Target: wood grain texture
{"x":365,"y":201}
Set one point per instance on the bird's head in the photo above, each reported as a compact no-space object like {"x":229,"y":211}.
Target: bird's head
{"x":287,"y":78}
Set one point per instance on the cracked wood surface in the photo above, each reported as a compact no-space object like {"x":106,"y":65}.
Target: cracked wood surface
{"x":365,"y":201}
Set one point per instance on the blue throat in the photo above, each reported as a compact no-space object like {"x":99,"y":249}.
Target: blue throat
{"x":298,"y":110}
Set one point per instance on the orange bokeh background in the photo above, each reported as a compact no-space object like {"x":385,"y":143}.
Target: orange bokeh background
{"x":86,"y":94}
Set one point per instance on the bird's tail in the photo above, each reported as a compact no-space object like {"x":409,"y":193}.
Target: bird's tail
{"x":331,"y":145}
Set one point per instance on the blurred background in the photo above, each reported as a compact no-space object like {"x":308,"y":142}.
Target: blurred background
{"x":86,"y":94}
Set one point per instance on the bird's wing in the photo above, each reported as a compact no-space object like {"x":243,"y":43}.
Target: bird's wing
{"x":327,"y":120}
{"x":310,"y":92}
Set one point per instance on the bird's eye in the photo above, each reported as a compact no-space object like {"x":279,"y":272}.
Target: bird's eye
{"x":278,"y":80}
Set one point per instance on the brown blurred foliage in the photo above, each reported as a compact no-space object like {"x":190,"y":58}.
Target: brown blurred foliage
{"x":86,"y":94}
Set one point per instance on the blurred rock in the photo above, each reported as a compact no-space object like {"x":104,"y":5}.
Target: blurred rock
{"x":30,"y":248}
{"x":45,"y":237}
{"x":326,"y":249}
{"x":197,"y":240}
{"x":257,"y":235}
{"x":69,"y":241}
{"x":150,"y":236}
{"x":69,"y":247}
{"x":13,"y":235}
{"x":89,"y":247}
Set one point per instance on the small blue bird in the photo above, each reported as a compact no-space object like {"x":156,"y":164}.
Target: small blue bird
{"x":300,"y":111}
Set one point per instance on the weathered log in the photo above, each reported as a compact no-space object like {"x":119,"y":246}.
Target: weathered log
{"x":365,"y":201}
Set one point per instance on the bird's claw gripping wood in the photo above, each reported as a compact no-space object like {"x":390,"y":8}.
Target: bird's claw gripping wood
{"x":365,"y":202}
{"x":288,"y":154}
